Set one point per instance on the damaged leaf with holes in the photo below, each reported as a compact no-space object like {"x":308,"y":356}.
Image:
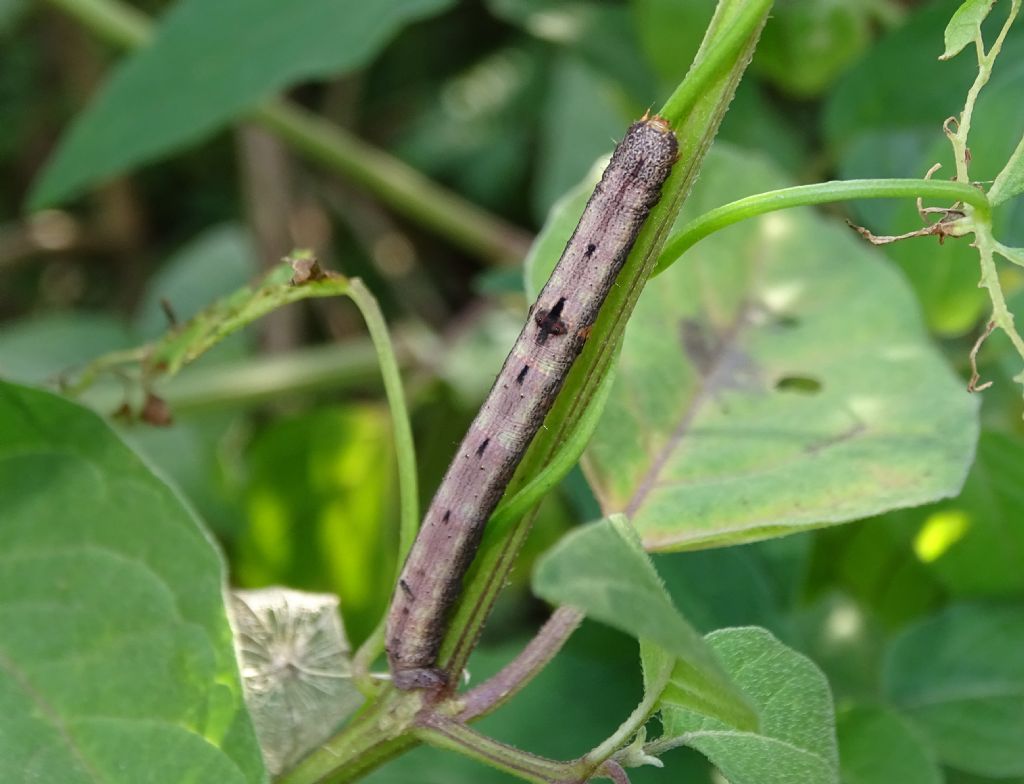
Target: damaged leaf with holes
{"x":779,"y":379}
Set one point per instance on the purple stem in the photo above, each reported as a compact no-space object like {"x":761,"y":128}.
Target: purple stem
{"x":516,"y":674}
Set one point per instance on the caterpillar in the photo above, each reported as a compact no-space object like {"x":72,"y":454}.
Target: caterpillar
{"x":523,"y":393}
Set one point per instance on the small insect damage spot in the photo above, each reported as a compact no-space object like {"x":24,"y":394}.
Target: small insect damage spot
{"x":447,"y":516}
{"x":550,"y":321}
{"x":522,"y":374}
{"x":803,"y":385}
{"x":483,"y":447}
{"x":590,"y":250}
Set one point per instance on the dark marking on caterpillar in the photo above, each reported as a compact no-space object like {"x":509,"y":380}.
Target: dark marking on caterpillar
{"x":405,"y":587}
{"x":447,"y":516}
{"x":514,"y":410}
{"x":483,"y":447}
{"x":550,"y":321}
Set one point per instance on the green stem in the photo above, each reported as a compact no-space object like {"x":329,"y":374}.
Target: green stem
{"x":397,"y":184}
{"x":512,"y":510}
{"x":380,"y":732}
{"x":638,"y":718}
{"x":709,"y":66}
{"x":985,"y":62}
{"x":405,"y":453}
{"x":497,"y":554}
{"x":250,"y":382}
{"x":455,"y":736}
{"x":400,"y":186}
{"x":819,"y":193}
{"x":116,"y":23}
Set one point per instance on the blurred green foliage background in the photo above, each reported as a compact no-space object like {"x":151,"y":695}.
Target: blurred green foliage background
{"x":281,"y":438}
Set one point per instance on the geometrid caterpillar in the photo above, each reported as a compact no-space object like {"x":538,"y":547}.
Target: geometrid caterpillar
{"x":521,"y":397}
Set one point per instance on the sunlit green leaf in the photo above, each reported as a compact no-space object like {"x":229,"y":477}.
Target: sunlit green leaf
{"x":777,"y":378}
{"x":117,"y":659}
{"x":960,"y":676}
{"x":204,"y":68}
{"x":965,"y":26}
{"x":796,"y":741}
{"x":322,"y":510}
{"x":602,"y":570}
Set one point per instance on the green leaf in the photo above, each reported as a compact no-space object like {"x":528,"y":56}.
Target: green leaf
{"x":796,"y":741}
{"x":960,"y":676}
{"x":321,"y":510}
{"x":768,"y":385}
{"x":807,"y":44}
{"x":965,"y":26}
{"x":878,"y":746}
{"x":1010,"y":181}
{"x":116,"y":658}
{"x":205,"y":67}
{"x":974,"y":543}
{"x":602,"y":570}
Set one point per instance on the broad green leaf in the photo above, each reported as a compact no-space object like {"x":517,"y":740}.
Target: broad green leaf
{"x":206,"y":65}
{"x":1010,"y":181}
{"x":321,"y":502}
{"x":776,"y":379}
{"x":807,"y":44}
{"x":965,"y":26}
{"x":796,"y":741}
{"x":602,"y":570}
{"x":116,"y":658}
{"x":960,"y":676}
{"x":878,"y":746}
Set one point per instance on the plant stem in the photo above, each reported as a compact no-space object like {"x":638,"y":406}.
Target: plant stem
{"x":447,"y":734}
{"x":511,"y":510}
{"x":405,"y":453}
{"x":396,"y":183}
{"x":653,"y":689}
{"x":400,"y":186}
{"x":719,"y":59}
{"x":497,"y":553}
{"x":985,"y":62}
{"x":819,"y":193}
{"x":374,"y":736}
{"x":496,"y":691}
